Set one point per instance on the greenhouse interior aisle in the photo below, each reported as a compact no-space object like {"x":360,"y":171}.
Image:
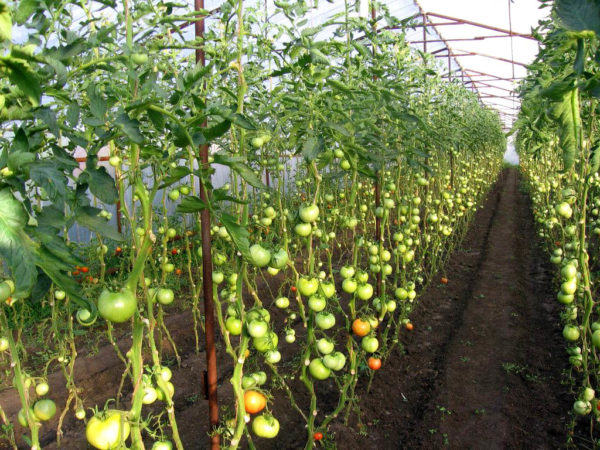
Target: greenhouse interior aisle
{"x":484,"y":364}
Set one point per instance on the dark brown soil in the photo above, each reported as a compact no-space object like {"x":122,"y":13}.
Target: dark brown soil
{"x":481,"y":369}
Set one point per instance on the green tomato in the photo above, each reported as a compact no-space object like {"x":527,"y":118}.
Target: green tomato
{"x":265,"y":426}
{"x":282,"y":302}
{"x":325,"y":320}
{"x":150,"y":395}
{"x":259,"y":256}
{"x":317,"y":303}
{"x":4,"y":344}
{"x":596,"y":339}
{"x":257,"y":328}
{"x":174,"y":194}
{"x":365,"y":291}
{"x":565,"y":299}
{"x":234,"y":326}
{"x":60,"y":295}
{"x":347,"y":272}
{"x":44,"y":409}
{"x":564,"y":210}
{"x":401,"y":293}
{"x":303,"y":229}
{"x":165,"y":296}
{"x":325,"y":346}
{"x":569,"y":272}
{"x":84,"y":317}
{"x":273,"y":356}
{"x":328,"y":289}
{"x":369,"y":344}
{"x":162,"y":445}
{"x":279,"y":259}
{"x":309,"y":213}
{"x":349,"y":285}
{"x":248,"y":381}
{"x":5,"y":291}
{"x":22,"y":417}
{"x":107,"y":430}
{"x":308,"y":286}
{"x":118,"y":306}
{"x":582,"y":407}
{"x":139,"y":58}
{"x":42,"y":388}
{"x":571,"y":333}
{"x":266,"y":343}
{"x":569,"y":286}
{"x":318,"y":370}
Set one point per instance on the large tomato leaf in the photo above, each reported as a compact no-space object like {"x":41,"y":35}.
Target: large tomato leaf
{"x":16,"y":248}
{"x":88,"y":217}
{"x":579,"y":15}
{"x":46,"y":176}
{"x":239,"y":234}
{"x":101,"y":183}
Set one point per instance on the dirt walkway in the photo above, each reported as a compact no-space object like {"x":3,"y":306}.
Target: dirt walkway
{"x":483,"y":367}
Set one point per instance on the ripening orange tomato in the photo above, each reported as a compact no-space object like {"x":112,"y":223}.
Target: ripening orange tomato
{"x":254,"y":402}
{"x":361,"y":327}
{"x":444,"y":280}
{"x":374,"y":363}
{"x":409,"y":326}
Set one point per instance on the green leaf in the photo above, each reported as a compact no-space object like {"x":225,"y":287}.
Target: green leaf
{"x":101,"y":183}
{"x":72,"y":116}
{"x":72,"y":288}
{"x":241,"y":121}
{"x":17,"y":160}
{"x":191,"y":204}
{"x":569,"y":126}
{"x":46,"y":176}
{"x":20,"y":74}
{"x":236,"y":164}
{"x":338,"y":85}
{"x":175,"y":175}
{"x":157,"y":119}
{"x":88,"y":217}
{"x":317,"y":56}
{"x":51,"y":216}
{"x":312,"y":147}
{"x":48,"y":116}
{"x":579,"y":15}
{"x":220,"y":195}
{"x":239,"y":234}
{"x":16,"y":248}
{"x":217,"y":130}
{"x":55,"y":244}
{"x":338,"y":127}
{"x":130,"y":127}
{"x":25,"y":9}
{"x":5,"y":22}
{"x":98,"y":105}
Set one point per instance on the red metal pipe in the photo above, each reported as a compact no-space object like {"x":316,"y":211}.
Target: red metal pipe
{"x":207,"y":281}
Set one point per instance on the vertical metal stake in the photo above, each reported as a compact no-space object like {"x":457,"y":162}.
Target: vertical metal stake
{"x":207,"y":282}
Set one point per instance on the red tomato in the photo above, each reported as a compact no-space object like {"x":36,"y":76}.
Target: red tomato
{"x":318,"y":436}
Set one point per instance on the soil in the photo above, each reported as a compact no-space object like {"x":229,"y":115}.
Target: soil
{"x":481,"y":369}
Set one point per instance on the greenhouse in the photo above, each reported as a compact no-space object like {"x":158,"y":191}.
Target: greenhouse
{"x":264,"y":224}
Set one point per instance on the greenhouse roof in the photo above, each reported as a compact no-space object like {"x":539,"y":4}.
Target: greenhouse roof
{"x":487,"y":44}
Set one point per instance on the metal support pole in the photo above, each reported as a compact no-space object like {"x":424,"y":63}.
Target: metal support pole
{"x":207,"y":281}
{"x":424,"y":33}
